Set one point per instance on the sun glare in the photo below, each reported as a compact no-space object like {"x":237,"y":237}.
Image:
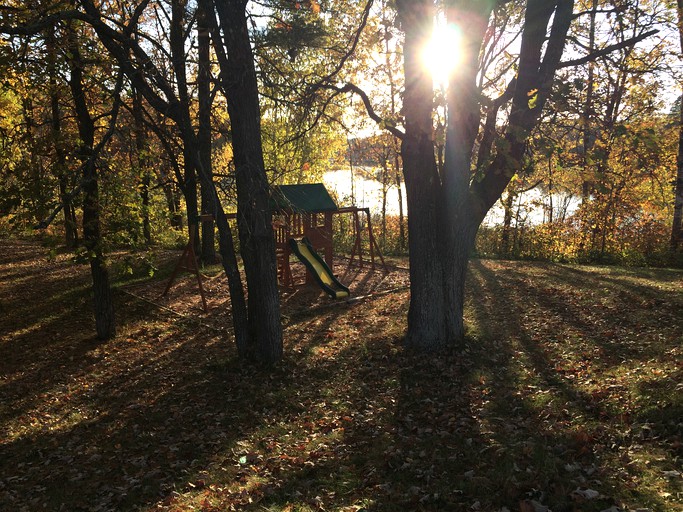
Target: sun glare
{"x":442,"y":53}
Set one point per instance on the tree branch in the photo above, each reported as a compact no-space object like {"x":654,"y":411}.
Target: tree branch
{"x":489,"y":130}
{"x":607,"y":50}
{"x":349,"y":87}
{"x":354,"y":44}
{"x":43,"y":224}
{"x":36,"y":26}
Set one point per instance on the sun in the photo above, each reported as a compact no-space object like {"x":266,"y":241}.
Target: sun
{"x":441,"y":54}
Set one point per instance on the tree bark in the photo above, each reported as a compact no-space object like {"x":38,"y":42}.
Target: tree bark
{"x":92,"y":239}
{"x":677,"y":227}
{"x":144,"y":172}
{"x":257,"y":243}
{"x":204,"y":131}
{"x":426,"y":313}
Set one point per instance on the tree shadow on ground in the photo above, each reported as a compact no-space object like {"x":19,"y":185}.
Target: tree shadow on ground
{"x":164,"y":417}
{"x":128,"y":423}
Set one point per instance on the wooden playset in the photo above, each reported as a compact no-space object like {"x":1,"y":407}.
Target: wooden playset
{"x":302,"y":224}
{"x":306,"y":211}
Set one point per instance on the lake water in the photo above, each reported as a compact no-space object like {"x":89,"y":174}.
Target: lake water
{"x":367,"y":193}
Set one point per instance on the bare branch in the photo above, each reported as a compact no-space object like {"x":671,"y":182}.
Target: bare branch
{"x":607,"y":50}
{"x":354,"y":44}
{"x":36,"y":26}
{"x":383,"y":123}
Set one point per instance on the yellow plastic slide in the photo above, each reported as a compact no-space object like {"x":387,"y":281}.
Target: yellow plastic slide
{"x":318,"y":268}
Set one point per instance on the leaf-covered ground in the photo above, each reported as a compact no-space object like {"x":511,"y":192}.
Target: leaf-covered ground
{"x":567,"y":396}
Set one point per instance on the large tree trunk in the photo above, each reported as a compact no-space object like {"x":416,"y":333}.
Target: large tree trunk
{"x":426,"y":314}
{"x":446,"y":208}
{"x":257,"y":243}
{"x":104,"y":305}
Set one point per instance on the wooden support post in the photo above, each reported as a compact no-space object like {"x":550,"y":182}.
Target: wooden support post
{"x":373,"y":244}
{"x":188,"y":262}
{"x":357,"y":247}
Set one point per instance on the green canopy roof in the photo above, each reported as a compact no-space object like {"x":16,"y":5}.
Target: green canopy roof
{"x":311,"y":197}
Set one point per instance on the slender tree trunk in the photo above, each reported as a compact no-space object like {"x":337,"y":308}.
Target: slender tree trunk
{"x":385,"y":188}
{"x":550,"y":190}
{"x":587,"y":116}
{"x":92,"y":239}
{"x":395,"y":146}
{"x":172,"y":195}
{"x":70,"y":221}
{"x":39,"y":196}
{"x":204,"y":131}
{"x":170,"y":185}
{"x":173,"y":203}
{"x":144,"y":172}
{"x":508,"y":203}
{"x":677,"y":227}
{"x":60,"y":165}
{"x":178,"y":59}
